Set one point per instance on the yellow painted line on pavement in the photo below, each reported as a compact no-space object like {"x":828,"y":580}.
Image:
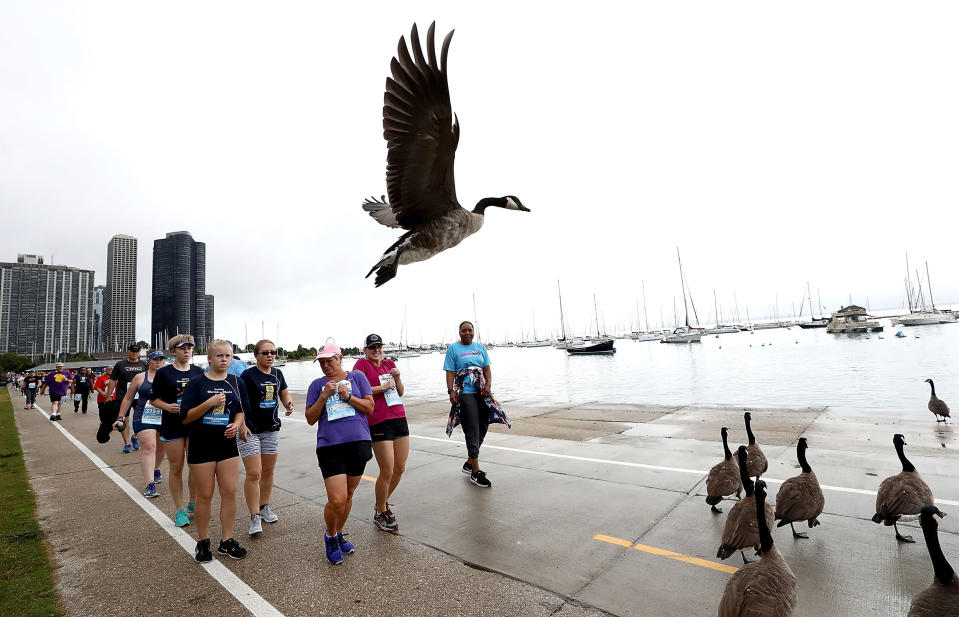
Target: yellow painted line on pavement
{"x":696,"y":561}
{"x":369,"y":478}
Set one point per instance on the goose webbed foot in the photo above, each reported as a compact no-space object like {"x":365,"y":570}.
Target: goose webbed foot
{"x":798,"y":534}
{"x":901,"y":537}
{"x":716,"y":510}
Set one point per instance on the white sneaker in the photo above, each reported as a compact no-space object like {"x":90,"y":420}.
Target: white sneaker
{"x":256,"y":524}
{"x":267,"y":514}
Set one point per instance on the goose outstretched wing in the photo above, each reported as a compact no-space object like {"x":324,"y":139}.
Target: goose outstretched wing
{"x":421,"y":133}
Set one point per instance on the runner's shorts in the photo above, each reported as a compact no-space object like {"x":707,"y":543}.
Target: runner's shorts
{"x":204,"y":449}
{"x":348,"y":458}
{"x":390,"y":430}
{"x":259,"y":443}
{"x":139,"y":427}
{"x":55,"y":398}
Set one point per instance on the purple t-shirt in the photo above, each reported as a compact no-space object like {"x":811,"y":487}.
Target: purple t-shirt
{"x":58,"y":382}
{"x":344,"y":428}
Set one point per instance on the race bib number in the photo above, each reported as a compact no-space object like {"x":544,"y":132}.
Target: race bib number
{"x":31,"y":385}
{"x":392,"y":396}
{"x":218,"y":416}
{"x":77,"y":397}
{"x":336,"y":407}
{"x":151,"y":415}
{"x":269,"y":398}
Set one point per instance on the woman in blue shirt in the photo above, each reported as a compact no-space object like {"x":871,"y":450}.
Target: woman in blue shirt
{"x":474,"y":414}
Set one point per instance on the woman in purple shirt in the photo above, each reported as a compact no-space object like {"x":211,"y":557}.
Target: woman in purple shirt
{"x":339,"y":402}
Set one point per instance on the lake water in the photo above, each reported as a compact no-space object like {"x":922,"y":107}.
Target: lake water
{"x":791,"y":367}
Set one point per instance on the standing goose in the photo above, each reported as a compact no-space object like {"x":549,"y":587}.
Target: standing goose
{"x":723,"y":478}
{"x":765,"y":588}
{"x":942,"y":597}
{"x":800,"y":498}
{"x":422,"y":133}
{"x":936,"y":405}
{"x":742,"y":527}
{"x":757,"y":460}
{"x":904,"y":494}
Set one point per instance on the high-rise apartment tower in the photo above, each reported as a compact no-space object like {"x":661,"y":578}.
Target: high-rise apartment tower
{"x":120,"y":299}
{"x":179,"y":289}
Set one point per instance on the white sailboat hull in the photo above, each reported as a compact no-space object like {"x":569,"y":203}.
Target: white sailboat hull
{"x":924,"y":319}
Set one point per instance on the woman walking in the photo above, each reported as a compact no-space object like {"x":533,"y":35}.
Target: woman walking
{"x":388,"y":428}
{"x":342,"y":440}
{"x":146,"y":421}
{"x":265,"y":391}
{"x":469,"y":383}
{"x":82,"y":385}
{"x":168,"y":386}
{"x":214,"y":406}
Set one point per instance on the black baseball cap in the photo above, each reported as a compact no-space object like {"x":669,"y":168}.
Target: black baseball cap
{"x":133,"y":347}
{"x":373,"y":339}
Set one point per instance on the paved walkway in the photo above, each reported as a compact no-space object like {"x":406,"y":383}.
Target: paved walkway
{"x":595,"y":509}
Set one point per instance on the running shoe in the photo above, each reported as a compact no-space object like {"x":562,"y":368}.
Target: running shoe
{"x":467,"y":468}
{"x":479,"y":479}
{"x":59,"y":417}
{"x":267,"y":514}
{"x":390,"y":516}
{"x":151,"y":491}
{"x":382,"y":522}
{"x":203,"y":553}
{"x":333,"y":551}
{"x":136,"y":442}
{"x":157,"y":476}
{"x":127,"y":448}
{"x":256,"y":524}
{"x":345,"y":546}
{"x":182,"y":519}
{"x":190,"y":507}
{"x":231,"y":548}
{"x":53,"y":417}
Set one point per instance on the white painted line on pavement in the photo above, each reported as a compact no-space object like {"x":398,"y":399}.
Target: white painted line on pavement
{"x":698,"y":472}
{"x":244,"y":594}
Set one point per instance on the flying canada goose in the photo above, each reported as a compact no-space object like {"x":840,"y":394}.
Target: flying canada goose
{"x":422,"y":132}
{"x":936,"y":405}
{"x":903,"y":494}
{"x":942,"y":597}
{"x":742,"y":528}
{"x":800,"y":498}
{"x":757,"y":460}
{"x":765,"y":588}
{"x":723,"y":478}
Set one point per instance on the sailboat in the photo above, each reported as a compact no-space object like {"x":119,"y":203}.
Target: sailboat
{"x":648,"y":335}
{"x":813,"y":322}
{"x":597,"y":345}
{"x":687,"y":333}
{"x":720,"y":328}
{"x":535,"y":342}
{"x":919,"y":313}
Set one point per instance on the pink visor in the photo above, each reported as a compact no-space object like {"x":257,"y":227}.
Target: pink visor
{"x":328,"y":351}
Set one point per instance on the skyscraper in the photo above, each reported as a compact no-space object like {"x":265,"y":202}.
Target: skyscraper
{"x":99,"y":341}
{"x":45,"y":310}
{"x":120,"y":300}
{"x":179,"y":289}
{"x":210,"y":335}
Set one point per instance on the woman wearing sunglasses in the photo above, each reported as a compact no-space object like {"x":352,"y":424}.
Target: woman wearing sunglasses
{"x":266,"y":391}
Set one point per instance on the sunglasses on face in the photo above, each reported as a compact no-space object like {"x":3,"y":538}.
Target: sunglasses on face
{"x":269,"y":352}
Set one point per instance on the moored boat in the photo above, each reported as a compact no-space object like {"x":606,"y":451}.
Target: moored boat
{"x":850,"y":319}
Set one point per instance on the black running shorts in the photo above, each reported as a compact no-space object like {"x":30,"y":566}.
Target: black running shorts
{"x":204,"y":449}
{"x":390,"y":430}
{"x":55,"y":398}
{"x":348,"y":458}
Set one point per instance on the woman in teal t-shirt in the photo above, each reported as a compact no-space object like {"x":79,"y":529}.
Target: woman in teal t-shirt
{"x":474,"y":415}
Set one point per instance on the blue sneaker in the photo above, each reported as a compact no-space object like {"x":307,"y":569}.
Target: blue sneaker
{"x":181,"y":519}
{"x":151,"y":491}
{"x":190,"y":507}
{"x":345,"y":546}
{"x":157,"y":477}
{"x":136,"y":442}
{"x":127,"y":448}
{"x":333,"y":551}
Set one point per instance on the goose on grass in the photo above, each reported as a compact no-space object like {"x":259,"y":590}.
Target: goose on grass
{"x":422,"y":133}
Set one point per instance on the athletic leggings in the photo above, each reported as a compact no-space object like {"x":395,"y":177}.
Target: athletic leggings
{"x":474,"y":416}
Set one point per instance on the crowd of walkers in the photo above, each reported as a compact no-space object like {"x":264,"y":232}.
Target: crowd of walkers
{"x":214,"y":419}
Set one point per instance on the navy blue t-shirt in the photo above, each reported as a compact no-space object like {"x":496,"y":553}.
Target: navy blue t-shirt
{"x":263,"y":394}
{"x":212,"y":424}
{"x":168,"y":385}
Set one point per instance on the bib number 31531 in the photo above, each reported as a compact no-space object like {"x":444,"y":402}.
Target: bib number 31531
{"x":336,"y":407}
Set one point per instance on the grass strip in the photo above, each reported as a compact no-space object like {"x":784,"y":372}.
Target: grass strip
{"x":26,"y":571}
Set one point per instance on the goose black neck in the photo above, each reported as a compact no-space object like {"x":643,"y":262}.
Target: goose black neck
{"x":801,"y":455}
{"x":749,"y":431}
{"x":743,"y":474}
{"x":906,"y":465}
{"x":944,"y":571}
{"x":933,"y":386}
{"x":729,"y":454}
{"x":485,"y":203}
{"x":765,"y":538}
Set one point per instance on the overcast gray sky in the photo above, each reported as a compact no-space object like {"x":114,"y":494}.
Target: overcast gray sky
{"x":773,"y":143}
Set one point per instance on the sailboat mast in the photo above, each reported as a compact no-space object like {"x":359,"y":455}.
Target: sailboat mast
{"x":929,"y":287}
{"x":596,"y":314}
{"x":812,"y":315}
{"x":908,"y":284}
{"x":562,"y":321}
{"x":716,"y":307}
{"x":645,"y":314}
{"x":921,"y":300}
{"x":682,"y":281}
